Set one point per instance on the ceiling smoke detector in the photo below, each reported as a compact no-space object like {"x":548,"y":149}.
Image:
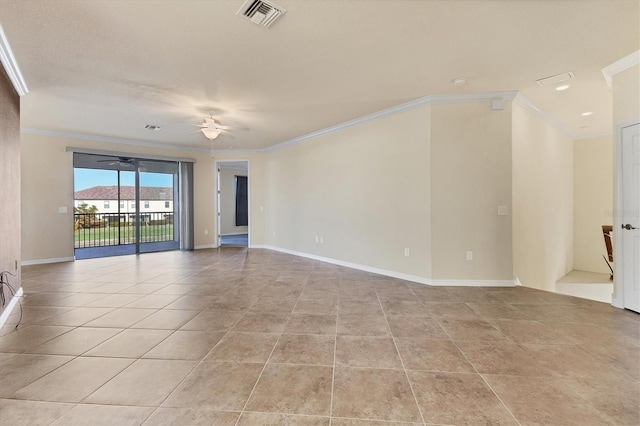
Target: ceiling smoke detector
{"x":555,"y":79}
{"x":152,"y":127}
{"x":261,"y":12}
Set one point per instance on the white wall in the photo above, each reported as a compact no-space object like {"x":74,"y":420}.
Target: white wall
{"x":364,"y":189}
{"x":593,"y":201}
{"x":228,"y":202}
{"x":47,"y":183}
{"x":542,"y":201}
{"x":470,"y":178}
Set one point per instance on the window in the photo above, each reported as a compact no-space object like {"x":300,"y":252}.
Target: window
{"x":146,"y":204}
{"x":106,"y":204}
{"x":133,"y":205}
{"x":122,"y":204}
{"x":166,"y":204}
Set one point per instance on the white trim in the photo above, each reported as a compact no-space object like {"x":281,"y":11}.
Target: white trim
{"x":426,"y":100}
{"x":474,"y":283}
{"x":526,"y":103}
{"x":12,"y":303}
{"x":111,"y":139}
{"x":508,"y":96}
{"x":44,"y":261}
{"x":620,"y":65}
{"x":617,"y":298}
{"x":393,"y":274}
{"x":11,"y":65}
{"x":205,"y":246}
{"x":593,"y":135}
{"x":351,"y":265}
{"x":216,"y":185}
{"x":234,"y":233}
{"x":517,"y":282}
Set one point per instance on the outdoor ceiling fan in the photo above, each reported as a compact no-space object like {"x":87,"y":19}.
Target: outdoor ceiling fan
{"x":121,"y":161}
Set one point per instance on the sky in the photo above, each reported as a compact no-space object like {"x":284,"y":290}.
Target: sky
{"x":88,"y":178}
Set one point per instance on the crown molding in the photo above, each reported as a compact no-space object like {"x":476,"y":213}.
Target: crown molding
{"x":11,"y":65}
{"x":108,"y":139}
{"x":508,"y":96}
{"x":426,"y":100}
{"x":620,"y":65}
{"x":526,"y":103}
{"x":593,"y":135}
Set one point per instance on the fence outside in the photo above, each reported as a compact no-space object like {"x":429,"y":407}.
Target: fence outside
{"x":112,"y":229}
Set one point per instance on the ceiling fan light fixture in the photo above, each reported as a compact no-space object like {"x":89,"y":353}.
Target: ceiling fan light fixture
{"x":211,"y":133}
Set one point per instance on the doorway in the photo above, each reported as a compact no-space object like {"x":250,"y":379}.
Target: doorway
{"x":627,"y":225}
{"x":232,"y":186}
{"x":124,"y":205}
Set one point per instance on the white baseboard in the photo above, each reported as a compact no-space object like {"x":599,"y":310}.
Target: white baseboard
{"x":12,"y":303}
{"x":205,"y":246}
{"x":43,"y":261}
{"x":474,"y":283}
{"x":393,"y":274}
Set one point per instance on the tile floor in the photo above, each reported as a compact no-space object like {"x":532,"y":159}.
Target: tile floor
{"x":256,"y":337}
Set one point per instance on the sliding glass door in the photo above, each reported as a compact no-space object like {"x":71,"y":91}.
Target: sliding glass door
{"x":124,"y":205}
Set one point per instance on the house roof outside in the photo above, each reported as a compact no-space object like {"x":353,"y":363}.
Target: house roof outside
{"x":147,"y":193}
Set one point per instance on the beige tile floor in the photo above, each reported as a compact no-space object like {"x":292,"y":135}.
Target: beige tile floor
{"x":255,"y":337}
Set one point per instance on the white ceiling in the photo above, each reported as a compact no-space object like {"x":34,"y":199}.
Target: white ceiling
{"x":107,"y":68}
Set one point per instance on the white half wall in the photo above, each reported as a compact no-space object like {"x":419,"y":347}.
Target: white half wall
{"x":542,"y":201}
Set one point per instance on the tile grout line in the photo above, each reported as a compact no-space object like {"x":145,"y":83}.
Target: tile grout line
{"x":335,"y":348}
{"x":404,"y":369}
{"x":478,"y":373}
{"x":242,"y":411}
{"x":198,"y":364}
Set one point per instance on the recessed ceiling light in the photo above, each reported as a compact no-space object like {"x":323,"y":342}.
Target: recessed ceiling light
{"x":152,"y":127}
{"x":459,"y":82}
{"x":562,"y":87}
{"x":586,"y":114}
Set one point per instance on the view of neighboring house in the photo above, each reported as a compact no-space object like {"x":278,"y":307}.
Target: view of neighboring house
{"x":105,"y":198}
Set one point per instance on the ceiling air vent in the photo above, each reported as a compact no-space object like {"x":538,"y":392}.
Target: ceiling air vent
{"x":555,"y":79}
{"x":260,"y":12}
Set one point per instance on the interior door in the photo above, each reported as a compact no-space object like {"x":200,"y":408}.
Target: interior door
{"x":630,"y":232}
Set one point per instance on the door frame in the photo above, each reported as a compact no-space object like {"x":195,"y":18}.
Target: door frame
{"x":217,"y":197}
{"x":617,"y":299}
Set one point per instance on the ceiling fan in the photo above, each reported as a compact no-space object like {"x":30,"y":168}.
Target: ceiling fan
{"x":121,"y":161}
{"x":211,"y":128}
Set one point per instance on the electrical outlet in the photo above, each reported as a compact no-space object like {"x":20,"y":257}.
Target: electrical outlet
{"x":317,"y":239}
{"x":321,"y":240}
{"x":62,"y":209}
{"x":503,"y":210}
{"x":206,"y":232}
{"x":469,"y":255}
{"x":407,"y":252}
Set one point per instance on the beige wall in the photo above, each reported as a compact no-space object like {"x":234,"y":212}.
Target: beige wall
{"x":626,"y":96}
{"x":9,"y":181}
{"x":47,"y":183}
{"x":365,"y":190}
{"x":470,"y":178}
{"x":228,"y":202}
{"x":592,"y":201}
{"x":542,"y":201}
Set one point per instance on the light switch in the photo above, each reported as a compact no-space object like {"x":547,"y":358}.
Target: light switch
{"x":62,"y":209}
